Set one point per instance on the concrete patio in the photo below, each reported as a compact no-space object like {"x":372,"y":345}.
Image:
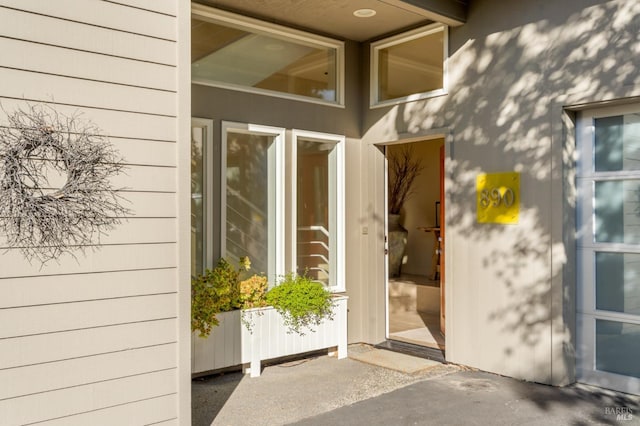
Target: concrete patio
{"x":376,"y":387}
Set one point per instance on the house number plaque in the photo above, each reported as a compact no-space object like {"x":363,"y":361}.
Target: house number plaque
{"x":498,"y":197}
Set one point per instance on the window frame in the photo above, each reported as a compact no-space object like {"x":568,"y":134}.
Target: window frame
{"x":278,"y":233}
{"x":261,"y":27}
{"x":586,"y":179}
{"x":375,"y":48}
{"x":206,"y":126}
{"x":337,"y":260}
{"x":587,"y":311}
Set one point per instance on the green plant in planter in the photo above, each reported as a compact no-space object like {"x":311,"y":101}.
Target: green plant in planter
{"x":301,"y":301}
{"x":213,"y":292}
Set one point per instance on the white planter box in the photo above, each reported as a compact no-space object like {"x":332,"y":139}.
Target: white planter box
{"x":230,"y":343}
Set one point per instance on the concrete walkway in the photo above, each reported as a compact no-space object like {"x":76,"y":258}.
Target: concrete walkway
{"x":378,"y":387}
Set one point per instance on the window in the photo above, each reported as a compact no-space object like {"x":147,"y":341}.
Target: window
{"x":409,"y":66}
{"x":201,"y":163}
{"x":233,"y":51}
{"x":318,"y":224}
{"x":608,"y":247}
{"x":308,"y":237}
{"x":252,"y":220}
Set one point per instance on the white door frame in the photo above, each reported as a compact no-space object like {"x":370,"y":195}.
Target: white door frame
{"x":437,"y":134}
{"x":586,"y":311}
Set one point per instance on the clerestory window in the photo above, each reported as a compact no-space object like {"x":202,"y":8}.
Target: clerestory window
{"x":409,"y":66}
{"x":240,"y":53}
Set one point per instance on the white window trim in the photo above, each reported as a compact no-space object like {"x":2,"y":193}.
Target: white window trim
{"x":587,"y":177}
{"x":339,"y":140}
{"x":254,"y":25}
{"x":207,"y":190}
{"x":279,"y":194}
{"x":403,"y":38}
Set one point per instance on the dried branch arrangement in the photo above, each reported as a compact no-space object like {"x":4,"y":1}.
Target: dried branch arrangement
{"x":404,"y":168}
{"x":44,"y":219}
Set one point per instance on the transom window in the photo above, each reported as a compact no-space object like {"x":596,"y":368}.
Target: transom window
{"x":409,"y":66}
{"x":237,"y":52}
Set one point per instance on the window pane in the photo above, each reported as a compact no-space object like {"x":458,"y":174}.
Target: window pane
{"x":411,"y":67}
{"x":617,"y":143}
{"x":247,"y":207}
{"x":197,"y":199}
{"x":231,"y":55}
{"x":618,"y":347}
{"x":618,"y":282}
{"x":617,"y":211}
{"x":314,"y":210}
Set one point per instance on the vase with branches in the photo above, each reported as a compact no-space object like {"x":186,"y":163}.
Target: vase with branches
{"x":404,"y":168}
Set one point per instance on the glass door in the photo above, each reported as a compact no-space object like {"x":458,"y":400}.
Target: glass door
{"x":608,"y":248}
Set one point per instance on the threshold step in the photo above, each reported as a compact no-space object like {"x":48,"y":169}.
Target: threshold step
{"x":413,"y":350}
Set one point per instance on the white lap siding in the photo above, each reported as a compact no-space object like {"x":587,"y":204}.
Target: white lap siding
{"x":94,"y":340}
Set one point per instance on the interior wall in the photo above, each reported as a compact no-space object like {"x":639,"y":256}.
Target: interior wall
{"x":419,"y":209}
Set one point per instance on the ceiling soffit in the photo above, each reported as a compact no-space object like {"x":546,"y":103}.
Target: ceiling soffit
{"x":335,"y":17}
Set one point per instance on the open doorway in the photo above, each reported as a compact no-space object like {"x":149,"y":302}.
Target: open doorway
{"x":415,"y":297}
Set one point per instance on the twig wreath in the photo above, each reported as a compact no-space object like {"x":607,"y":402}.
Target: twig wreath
{"x":55,"y":190}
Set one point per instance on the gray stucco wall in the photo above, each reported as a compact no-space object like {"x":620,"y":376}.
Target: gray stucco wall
{"x":516,"y":72}
{"x":228,"y":105}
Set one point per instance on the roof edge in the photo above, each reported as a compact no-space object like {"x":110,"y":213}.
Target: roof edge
{"x":450,"y":12}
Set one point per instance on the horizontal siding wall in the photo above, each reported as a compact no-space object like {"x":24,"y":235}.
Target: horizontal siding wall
{"x":92,"y":339}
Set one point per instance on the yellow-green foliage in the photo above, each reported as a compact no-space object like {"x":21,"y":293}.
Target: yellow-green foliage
{"x":215,"y":291}
{"x":252,"y":292}
{"x":301,"y":302}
